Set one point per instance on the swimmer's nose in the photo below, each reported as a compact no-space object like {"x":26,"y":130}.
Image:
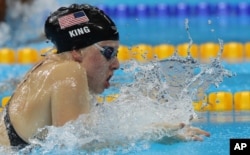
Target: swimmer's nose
{"x":115,"y":64}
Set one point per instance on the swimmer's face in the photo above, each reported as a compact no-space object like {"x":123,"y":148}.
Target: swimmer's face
{"x":100,"y":61}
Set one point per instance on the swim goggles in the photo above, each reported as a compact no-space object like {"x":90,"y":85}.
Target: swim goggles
{"x":107,"y":51}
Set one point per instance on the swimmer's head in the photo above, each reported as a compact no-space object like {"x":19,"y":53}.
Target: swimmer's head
{"x":79,"y":26}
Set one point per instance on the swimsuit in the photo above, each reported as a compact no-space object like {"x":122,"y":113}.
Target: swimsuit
{"x":15,"y":140}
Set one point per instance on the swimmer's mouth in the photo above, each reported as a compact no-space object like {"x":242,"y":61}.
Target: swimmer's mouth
{"x":109,"y":77}
{"x":107,"y":84}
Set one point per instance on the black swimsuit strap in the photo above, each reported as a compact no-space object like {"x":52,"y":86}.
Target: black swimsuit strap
{"x":15,"y":140}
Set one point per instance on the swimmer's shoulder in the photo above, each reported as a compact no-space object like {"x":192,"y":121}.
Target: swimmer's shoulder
{"x":69,"y":64}
{"x":67,"y":69}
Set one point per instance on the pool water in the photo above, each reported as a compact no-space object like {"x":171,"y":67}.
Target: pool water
{"x":217,"y":144}
{"x":222,"y":126}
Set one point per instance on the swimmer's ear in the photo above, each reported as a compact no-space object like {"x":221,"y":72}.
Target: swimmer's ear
{"x":77,"y":56}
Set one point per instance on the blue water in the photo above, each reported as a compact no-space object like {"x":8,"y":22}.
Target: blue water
{"x":172,"y":31}
{"x":217,"y":144}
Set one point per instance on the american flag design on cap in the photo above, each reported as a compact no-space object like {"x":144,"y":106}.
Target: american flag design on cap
{"x":72,"y":19}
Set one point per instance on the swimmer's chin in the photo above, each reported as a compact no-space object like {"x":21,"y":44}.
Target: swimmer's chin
{"x":97,"y":91}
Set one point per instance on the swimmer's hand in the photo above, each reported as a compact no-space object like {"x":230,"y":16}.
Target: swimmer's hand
{"x":182,"y":133}
{"x":190,"y":133}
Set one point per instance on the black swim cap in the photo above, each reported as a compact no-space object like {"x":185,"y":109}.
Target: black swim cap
{"x":79,"y":26}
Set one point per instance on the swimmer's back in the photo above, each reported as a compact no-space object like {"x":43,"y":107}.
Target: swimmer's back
{"x":36,"y":102}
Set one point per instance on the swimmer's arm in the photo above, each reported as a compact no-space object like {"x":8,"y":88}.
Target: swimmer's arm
{"x":70,"y":94}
